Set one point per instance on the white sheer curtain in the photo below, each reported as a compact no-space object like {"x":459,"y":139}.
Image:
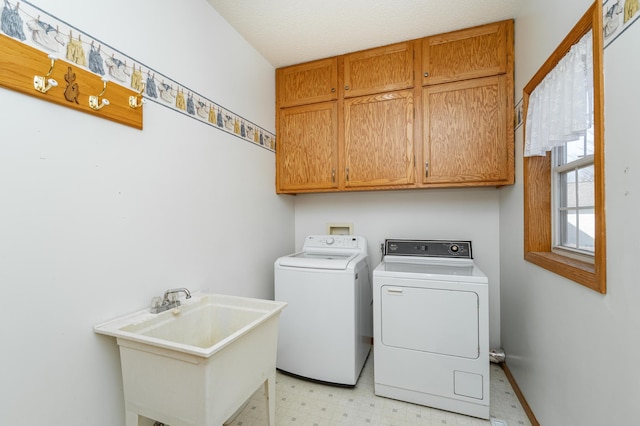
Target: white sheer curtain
{"x":560,"y":108}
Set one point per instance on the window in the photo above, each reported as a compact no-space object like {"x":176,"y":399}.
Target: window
{"x":572,"y":187}
{"x":564,"y":170}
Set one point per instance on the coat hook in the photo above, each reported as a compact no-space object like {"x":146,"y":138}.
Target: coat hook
{"x":138,"y":100}
{"x":94,"y":101}
{"x":43,"y":84}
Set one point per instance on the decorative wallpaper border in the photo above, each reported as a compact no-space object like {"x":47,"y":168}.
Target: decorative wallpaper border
{"x":617,"y":16}
{"x":37,"y":28}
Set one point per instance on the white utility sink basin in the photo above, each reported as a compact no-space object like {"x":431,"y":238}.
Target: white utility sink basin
{"x":197,"y":364}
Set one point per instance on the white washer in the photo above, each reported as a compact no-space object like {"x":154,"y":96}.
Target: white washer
{"x":325,"y":332}
{"x":431,"y":326}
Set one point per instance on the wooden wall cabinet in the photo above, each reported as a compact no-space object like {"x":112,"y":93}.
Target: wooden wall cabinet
{"x":378,"y":70}
{"x":366,"y":141}
{"x":462,"y":55}
{"x":307,"y":154}
{"x":432,"y":112}
{"x":307,"y":83}
{"x":467,"y":107}
{"x":465,"y":132}
{"x":378,"y":140}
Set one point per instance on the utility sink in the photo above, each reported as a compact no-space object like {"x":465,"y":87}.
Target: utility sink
{"x":198,"y":363}
{"x":202,"y":325}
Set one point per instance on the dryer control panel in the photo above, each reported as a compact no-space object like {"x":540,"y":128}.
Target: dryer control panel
{"x":429,"y":248}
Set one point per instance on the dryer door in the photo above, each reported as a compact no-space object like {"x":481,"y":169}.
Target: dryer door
{"x":430,"y":320}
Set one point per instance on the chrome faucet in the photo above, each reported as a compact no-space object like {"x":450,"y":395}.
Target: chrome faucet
{"x":169,"y":300}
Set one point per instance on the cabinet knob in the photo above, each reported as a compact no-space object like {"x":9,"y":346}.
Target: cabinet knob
{"x":333,"y":175}
{"x":346,"y":87}
{"x":426,"y":169}
{"x":426,"y":74}
{"x":333,"y":90}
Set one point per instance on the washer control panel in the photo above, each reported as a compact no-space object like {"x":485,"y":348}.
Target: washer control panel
{"x":334,"y":241}
{"x":428,"y":248}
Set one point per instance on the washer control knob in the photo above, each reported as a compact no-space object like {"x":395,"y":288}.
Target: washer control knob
{"x":454,"y":248}
{"x":329,"y":240}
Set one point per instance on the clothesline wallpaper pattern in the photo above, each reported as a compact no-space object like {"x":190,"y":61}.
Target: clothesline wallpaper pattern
{"x":617,"y":16}
{"x":36,"y":27}
{"x":55,"y":35}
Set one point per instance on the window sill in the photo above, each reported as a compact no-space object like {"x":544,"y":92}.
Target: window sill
{"x":576,"y":270}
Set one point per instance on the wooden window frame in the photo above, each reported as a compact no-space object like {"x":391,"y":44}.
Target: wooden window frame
{"x":537,"y":172}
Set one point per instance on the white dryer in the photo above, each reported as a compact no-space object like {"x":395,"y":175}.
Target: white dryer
{"x":431,"y":326}
{"x":325,"y":332}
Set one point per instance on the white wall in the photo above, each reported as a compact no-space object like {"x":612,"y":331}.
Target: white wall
{"x":465,"y":214}
{"x":573,"y":351}
{"x":97,"y":218}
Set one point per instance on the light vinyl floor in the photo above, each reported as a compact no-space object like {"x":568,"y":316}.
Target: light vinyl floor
{"x":302,"y":402}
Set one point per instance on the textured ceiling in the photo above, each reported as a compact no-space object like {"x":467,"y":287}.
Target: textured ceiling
{"x":288,"y":32}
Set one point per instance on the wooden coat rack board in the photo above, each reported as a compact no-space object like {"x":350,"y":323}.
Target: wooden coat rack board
{"x":23,"y":67}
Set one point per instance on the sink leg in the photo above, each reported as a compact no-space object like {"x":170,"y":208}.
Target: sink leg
{"x":131,"y":418}
{"x":270,"y":398}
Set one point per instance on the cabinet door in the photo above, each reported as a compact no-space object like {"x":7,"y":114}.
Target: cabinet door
{"x":472,"y":53}
{"x":379,"y":140}
{"x":307,"y":147}
{"x":466,"y":133}
{"x":307,"y":83}
{"x":383,"y":69}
